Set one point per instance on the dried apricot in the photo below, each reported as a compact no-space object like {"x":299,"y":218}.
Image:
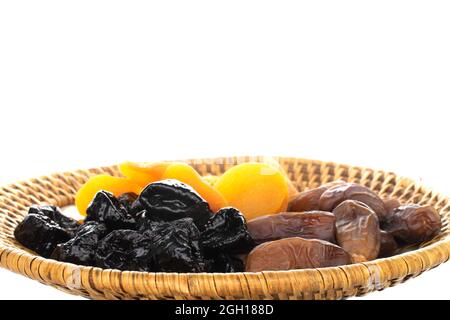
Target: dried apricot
{"x":144,"y":173}
{"x":115,"y":185}
{"x":188,"y":175}
{"x":255,"y":189}
{"x":210,"y":179}
{"x":292,"y":189}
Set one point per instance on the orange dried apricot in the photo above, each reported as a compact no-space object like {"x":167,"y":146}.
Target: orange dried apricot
{"x":115,"y":185}
{"x":210,"y":179}
{"x":255,"y":189}
{"x":293,"y":192}
{"x":143,"y":173}
{"x":186,"y":174}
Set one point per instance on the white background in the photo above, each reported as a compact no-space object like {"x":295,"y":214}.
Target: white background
{"x":89,"y":83}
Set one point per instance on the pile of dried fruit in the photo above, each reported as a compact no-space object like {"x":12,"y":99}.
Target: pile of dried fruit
{"x":165,"y":217}
{"x":335,"y":224}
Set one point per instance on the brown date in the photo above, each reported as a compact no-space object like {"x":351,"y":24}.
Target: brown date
{"x":309,"y":200}
{"x":390,"y":204}
{"x":308,"y":225}
{"x":412,"y":224}
{"x":295,"y":253}
{"x":334,"y":196}
{"x":388,"y":245}
{"x":357,"y":230}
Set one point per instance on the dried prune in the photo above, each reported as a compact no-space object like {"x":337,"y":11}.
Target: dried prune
{"x":187,"y":174}
{"x":40,"y":234}
{"x":357,"y":230}
{"x":388,"y":245}
{"x":131,"y":203}
{"x":124,"y":250}
{"x":175,"y":246}
{"x":412,"y":224}
{"x":308,"y":225}
{"x":136,"y":208}
{"x":105,"y":208}
{"x":309,"y":200}
{"x":226,"y":231}
{"x":82,"y":248}
{"x":127,"y":200}
{"x":296,"y":253}
{"x":169,"y":200}
{"x":225,"y":263}
{"x":331,"y":198}
{"x":55,"y":214}
{"x":391,"y":204}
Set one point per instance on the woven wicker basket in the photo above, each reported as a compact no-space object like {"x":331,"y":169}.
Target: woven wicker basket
{"x":324,"y":283}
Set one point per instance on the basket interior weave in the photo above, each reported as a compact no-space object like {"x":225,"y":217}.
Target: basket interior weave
{"x":325,"y":283}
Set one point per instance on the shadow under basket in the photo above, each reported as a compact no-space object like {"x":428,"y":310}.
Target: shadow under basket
{"x":324,"y":283}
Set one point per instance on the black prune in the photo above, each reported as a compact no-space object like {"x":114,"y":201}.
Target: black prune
{"x":411,"y":224}
{"x":136,"y":207}
{"x":226,"y":231}
{"x":175,"y":246}
{"x":169,"y":200}
{"x":40,"y":234}
{"x":131,"y":203}
{"x":55,"y":214}
{"x":82,"y":248}
{"x":105,"y":208}
{"x":127,"y":199}
{"x":124,"y":250}
{"x":225,"y":263}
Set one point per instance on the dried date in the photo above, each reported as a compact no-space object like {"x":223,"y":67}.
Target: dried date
{"x":334,"y":196}
{"x":413,"y":224}
{"x":309,"y":200}
{"x":388,"y":245}
{"x":309,"y":225}
{"x":391,"y":204}
{"x":295,"y":253}
{"x":357,"y":230}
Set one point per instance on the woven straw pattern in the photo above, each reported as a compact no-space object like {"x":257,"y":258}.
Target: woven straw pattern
{"x":324,"y":283}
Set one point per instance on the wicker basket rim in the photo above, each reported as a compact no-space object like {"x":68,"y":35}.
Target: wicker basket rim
{"x":408,"y":254}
